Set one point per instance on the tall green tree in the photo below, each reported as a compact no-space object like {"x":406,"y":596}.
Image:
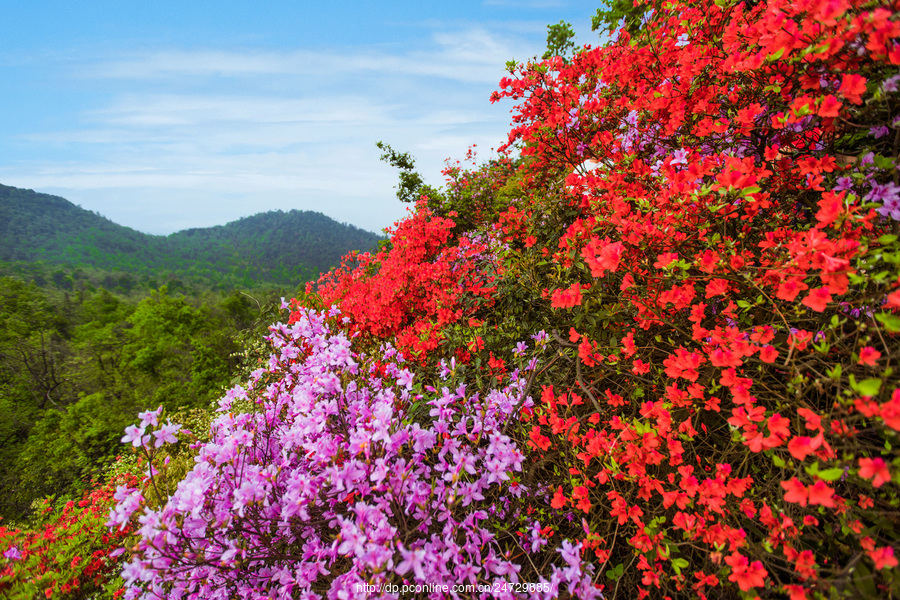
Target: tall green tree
{"x":559,"y":40}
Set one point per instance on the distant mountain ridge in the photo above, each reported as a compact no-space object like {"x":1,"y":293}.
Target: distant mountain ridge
{"x":274,"y":247}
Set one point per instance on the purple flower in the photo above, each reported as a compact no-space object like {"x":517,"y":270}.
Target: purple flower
{"x":412,"y":560}
{"x":679,"y":157}
{"x":879,"y":131}
{"x":467,"y":572}
{"x":537,"y":539}
{"x":12,"y":553}
{"x":632,"y":118}
{"x":889,"y":195}
{"x":843,"y":184}
{"x":134,"y":434}
{"x":166,"y":434}
{"x":405,"y":378}
{"x":890,"y":208}
{"x":249,"y":492}
{"x":135,"y":570}
{"x":296,"y":460}
{"x":541,"y":337}
{"x":150,"y":417}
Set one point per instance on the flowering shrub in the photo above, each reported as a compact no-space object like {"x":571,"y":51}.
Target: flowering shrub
{"x":68,"y":553}
{"x":475,"y":193}
{"x":344,"y":476}
{"x":706,"y":220}
{"x":425,"y":280}
{"x":725,"y":277}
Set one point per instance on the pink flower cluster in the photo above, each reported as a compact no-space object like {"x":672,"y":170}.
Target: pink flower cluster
{"x":346,"y":475}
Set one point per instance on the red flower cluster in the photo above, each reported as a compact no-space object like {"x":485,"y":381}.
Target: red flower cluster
{"x":424,"y":280}
{"x":70,"y":553}
{"x":731,"y":275}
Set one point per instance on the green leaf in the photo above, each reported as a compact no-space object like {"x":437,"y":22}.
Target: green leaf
{"x":615,"y":572}
{"x":883,"y":162}
{"x":867,"y":387}
{"x":775,"y":55}
{"x":831,"y":474}
{"x":887,"y":239}
{"x":778,"y":461}
{"x":890,"y":321}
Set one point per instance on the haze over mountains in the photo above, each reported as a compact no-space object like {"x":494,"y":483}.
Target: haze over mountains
{"x":273,"y":247}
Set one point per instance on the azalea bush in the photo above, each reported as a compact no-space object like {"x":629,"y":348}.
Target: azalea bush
{"x":69,"y":552}
{"x":332,"y":471}
{"x":426,"y":279}
{"x":710,"y":209}
{"x":475,"y":192}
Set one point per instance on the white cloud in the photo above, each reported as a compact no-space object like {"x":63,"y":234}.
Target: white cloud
{"x":187,"y":138}
{"x":468,"y":55}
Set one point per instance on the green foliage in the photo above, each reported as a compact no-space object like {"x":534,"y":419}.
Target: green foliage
{"x":559,"y":40}
{"x":408,"y":190}
{"x":51,"y":241}
{"x":622,"y":14}
{"x":75,"y":369}
{"x":474,"y":196}
{"x":411,"y":186}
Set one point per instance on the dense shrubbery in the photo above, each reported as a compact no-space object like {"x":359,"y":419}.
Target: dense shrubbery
{"x":75,"y":371}
{"x":425,"y":280}
{"x":69,"y":551}
{"x":347,"y":474}
{"x":724,"y":271}
{"x":704,"y":220}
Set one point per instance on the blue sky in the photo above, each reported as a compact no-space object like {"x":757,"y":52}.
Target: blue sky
{"x":166,"y":115}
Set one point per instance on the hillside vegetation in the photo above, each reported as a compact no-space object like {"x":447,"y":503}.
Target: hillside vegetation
{"x":647,"y":352}
{"x":275,"y":247}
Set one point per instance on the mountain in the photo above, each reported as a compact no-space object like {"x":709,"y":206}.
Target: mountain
{"x":274,"y":247}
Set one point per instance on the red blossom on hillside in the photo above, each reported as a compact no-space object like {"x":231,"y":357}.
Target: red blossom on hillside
{"x":875,"y":469}
{"x":869,"y":356}
{"x":746,"y":574}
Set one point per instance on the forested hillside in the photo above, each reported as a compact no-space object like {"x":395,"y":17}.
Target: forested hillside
{"x":39,"y":232}
{"x":76,"y":368}
{"x":646,"y":352}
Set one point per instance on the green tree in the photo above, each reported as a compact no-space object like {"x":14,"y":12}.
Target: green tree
{"x":559,"y":40}
{"x":412,"y":186}
{"x":622,"y":14}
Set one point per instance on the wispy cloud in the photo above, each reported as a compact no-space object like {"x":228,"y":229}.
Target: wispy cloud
{"x":261,"y":129}
{"x":468,"y":55}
